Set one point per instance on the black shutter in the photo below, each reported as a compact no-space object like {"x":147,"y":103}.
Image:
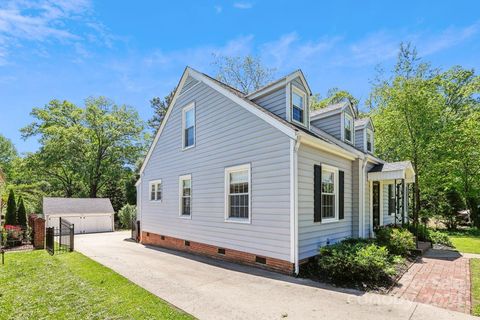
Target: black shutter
{"x":341,"y":195}
{"x":390,"y":202}
{"x":317,"y":193}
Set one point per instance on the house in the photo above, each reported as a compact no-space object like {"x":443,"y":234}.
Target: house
{"x":88,"y":215}
{"x":260,"y":180}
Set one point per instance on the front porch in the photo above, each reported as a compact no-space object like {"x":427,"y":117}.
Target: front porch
{"x":391,"y":193}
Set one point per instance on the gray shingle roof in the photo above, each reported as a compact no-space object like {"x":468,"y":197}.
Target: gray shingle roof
{"x":391,"y":166}
{"x":76,"y":205}
{"x":336,"y":106}
{"x":361,"y":122}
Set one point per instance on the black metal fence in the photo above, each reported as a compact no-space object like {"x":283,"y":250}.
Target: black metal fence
{"x":61,"y":239}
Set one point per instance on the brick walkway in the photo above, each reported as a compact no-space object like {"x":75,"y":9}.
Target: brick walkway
{"x":441,"y":278}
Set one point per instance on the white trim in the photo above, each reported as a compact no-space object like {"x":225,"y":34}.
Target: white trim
{"x":334,"y":111}
{"x":180,"y":196}
{"x":279,"y":83}
{"x":296,"y":146}
{"x":189,"y":89}
{"x":292,"y":201}
{"x":155,"y":183}
{"x":370,"y":206}
{"x":381,"y":203}
{"x":139,"y":181}
{"x":242,"y":102}
{"x":288,"y":89}
{"x":185,"y":109}
{"x":303,"y":95}
{"x":229,"y":170}
{"x":334,"y":170}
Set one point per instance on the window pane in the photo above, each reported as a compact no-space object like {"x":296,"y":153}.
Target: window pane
{"x":159,"y":191}
{"x":297,"y":114}
{"x":152,"y":192}
{"x":348,"y":128}
{"x":190,"y":118}
{"x":238,"y":199}
{"x":328,"y":182}
{"x":186,"y":206}
{"x":297,"y":100}
{"x":328,"y":206}
{"x":189,"y":136}
{"x":186,"y":186}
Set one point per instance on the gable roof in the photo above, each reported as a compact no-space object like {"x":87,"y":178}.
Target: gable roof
{"x":76,"y":205}
{"x":332,"y":109}
{"x":392,"y":166}
{"x":362,"y":123}
{"x":279,"y":83}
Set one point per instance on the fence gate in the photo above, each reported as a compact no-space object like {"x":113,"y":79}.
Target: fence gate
{"x":60,"y":239}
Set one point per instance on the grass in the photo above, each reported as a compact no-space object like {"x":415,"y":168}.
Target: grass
{"x":35,"y":285}
{"x":467,"y":241}
{"x":475,"y":274}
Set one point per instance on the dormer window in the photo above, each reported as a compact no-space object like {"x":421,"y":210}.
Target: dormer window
{"x":348,"y":128}
{"x":299,"y":99}
{"x":369,"y":140}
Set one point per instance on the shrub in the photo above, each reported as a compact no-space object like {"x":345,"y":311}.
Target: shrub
{"x":126,"y":215}
{"x":11,"y":215}
{"x":397,"y":240}
{"x":438,"y":237}
{"x":21,"y":213}
{"x":359,"y":263}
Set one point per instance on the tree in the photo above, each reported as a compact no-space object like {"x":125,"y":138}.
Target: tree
{"x":126,"y":214}
{"x":334,"y":96}
{"x":406,"y":114}
{"x":160,"y":108}
{"x":246,"y":74}
{"x":84,"y":148}
{"x":450,"y":212}
{"x":8,"y":154}
{"x":11,"y":215}
{"x":21,"y":213}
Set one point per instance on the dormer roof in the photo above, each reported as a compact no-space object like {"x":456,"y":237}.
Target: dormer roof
{"x":272,"y":86}
{"x":362,"y":123}
{"x":331,"y":110}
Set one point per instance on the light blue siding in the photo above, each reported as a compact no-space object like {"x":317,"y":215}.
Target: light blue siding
{"x":274,"y":102}
{"x":355,"y":198}
{"x":312,"y":235}
{"x":359,"y":139}
{"x":226,"y":135}
{"x":331,"y":125}
{"x":189,"y":83}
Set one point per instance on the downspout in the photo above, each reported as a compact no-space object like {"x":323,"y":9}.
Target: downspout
{"x":362,"y":199}
{"x":295,"y":145}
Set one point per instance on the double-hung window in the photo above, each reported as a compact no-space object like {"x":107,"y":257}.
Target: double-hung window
{"x":299,"y":99}
{"x":185,"y":193}
{"x":329,"y":193}
{"x":369,"y":140}
{"x":237,"y":193}
{"x":156,"y":190}
{"x":188,"y":126}
{"x":348,"y":128}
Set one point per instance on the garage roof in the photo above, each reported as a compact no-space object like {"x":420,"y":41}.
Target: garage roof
{"x":76,"y":205}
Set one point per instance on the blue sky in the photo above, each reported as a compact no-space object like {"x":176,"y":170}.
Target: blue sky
{"x":131,"y":51}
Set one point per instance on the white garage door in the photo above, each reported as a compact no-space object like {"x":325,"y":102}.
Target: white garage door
{"x":85,"y":223}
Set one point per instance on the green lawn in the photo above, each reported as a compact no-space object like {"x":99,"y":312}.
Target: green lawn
{"x":35,"y":285}
{"x":467,"y":241}
{"x":475,"y":274}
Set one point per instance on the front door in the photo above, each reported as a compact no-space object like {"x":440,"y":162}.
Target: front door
{"x":376,"y":204}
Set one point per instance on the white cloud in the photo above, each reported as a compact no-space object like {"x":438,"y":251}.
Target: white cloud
{"x":243,"y":5}
{"x":44,"y":21}
{"x":218,"y":9}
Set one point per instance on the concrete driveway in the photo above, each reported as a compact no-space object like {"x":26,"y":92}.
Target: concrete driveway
{"x":210,"y":289}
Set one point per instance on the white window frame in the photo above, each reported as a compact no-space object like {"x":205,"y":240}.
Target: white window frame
{"x":305,"y":105}
{"x":345,"y":117}
{"x":180,"y":195}
{"x":155,"y":183}
{"x":229,"y":170}
{"x":333,"y":170}
{"x":368,"y":131}
{"x":185,"y":109}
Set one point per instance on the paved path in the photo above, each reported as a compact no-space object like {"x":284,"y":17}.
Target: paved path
{"x":211,"y":289}
{"x":441,"y":278}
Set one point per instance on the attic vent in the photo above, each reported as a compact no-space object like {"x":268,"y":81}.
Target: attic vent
{"x":221,"y":251}
{"x":260,"y":260}
{"x":162,"y":237}
{"x":148,"y":234}
{"x":187,"y":243}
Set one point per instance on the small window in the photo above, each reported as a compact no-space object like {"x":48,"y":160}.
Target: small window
{"x":185,"y":192}
{"x":237,"y":191}
{"x":188,"y":126}
{"x":329,"y":193}
{"x":348,"y":128}
{"x":369,"y":140}
{"x":298,"y":105}
{"x":156,"y":190}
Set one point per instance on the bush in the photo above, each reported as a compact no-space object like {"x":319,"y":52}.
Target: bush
{"x":397,"y":240}
{"x":126,"y":215}
{"x":438,"y":237}
{"x":11,"y":215}
{"x":21,"y":213}
{"x":358,"y":263}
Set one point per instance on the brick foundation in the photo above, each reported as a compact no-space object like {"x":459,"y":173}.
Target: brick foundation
{"x":273,"y":264}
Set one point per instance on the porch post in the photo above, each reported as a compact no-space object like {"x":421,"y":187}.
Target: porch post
{"x":396,"y":200}
{"x":403,"y":202}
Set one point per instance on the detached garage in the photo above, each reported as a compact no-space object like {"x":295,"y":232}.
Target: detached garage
{"x":88,"y":215}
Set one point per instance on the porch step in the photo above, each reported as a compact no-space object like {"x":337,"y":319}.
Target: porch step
{"x":423,"y":246}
